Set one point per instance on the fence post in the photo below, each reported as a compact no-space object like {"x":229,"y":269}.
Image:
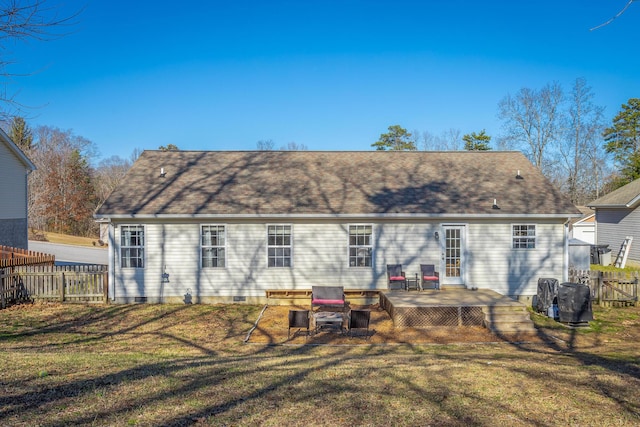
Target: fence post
{"x":105,"y":286}
{"x":600,"y":283}
{"x":3,"y":303}
{"x":62,"y":287}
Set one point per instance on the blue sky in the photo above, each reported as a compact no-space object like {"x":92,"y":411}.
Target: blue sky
{"x":332,"y":75}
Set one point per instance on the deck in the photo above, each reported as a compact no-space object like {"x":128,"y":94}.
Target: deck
{"x":448,"y":307}
{"x":455,"y":307}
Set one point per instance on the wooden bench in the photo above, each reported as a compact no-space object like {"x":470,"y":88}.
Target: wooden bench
{"x":301,"y":296}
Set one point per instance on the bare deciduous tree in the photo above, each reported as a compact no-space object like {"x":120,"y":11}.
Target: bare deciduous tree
{"x":617,"y":15}
{"x":24,"y":20}
{"x":61,"y":195}
{"x":294,"y":146}
{"x":265,"y":145}
{"x":581,"y":152}
{"x":448,"y":140}
{"x":532,"y":120}
{"x":108,"y":174}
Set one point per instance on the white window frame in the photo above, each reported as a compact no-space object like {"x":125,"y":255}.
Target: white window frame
{"x":137,"y":246}
{"x":359,"y":247}
{"x":279,"y":248}
{"x":216,"y":248}
{"x":524,"y":236}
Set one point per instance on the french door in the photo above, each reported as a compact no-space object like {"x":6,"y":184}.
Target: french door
{"x":453,"y":249}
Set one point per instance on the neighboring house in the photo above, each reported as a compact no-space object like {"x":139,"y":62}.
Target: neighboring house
{"x":14,"y":170}
{"x":618,"y":216}
{"x":584,"y":229}
{"x":226,"y":226}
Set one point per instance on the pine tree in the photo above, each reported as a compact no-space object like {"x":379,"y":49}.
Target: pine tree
{"x":20,"y":133}
{"x":397,"y":139}
{"x":477,"y":141}
{"x":623,"y":140}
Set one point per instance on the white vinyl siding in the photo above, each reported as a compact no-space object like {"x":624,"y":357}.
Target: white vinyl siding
{"x":320,"y":254}
{"x":494,"y":264}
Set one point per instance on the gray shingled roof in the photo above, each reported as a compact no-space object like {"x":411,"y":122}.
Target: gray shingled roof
{"x":333,"y":183}
{"x":624,"y":197}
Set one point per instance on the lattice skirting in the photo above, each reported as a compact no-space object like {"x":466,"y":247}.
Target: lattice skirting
{"x":424,"y":317}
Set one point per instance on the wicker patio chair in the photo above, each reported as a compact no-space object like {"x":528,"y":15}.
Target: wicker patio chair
{"x":359,"y":319}
{"x":328,"y":297}
{"x":429,"y":277}
{"x":396,"y":277}
{"x":298,"y":319}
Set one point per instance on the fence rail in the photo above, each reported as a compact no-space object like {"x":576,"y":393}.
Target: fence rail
{"x":610,"y":288}
{"x":53,"y":283}
{"x":11,"y":257}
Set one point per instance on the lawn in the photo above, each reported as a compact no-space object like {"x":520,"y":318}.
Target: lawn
{"x":64,"y":239}
{"x":152,"y":365}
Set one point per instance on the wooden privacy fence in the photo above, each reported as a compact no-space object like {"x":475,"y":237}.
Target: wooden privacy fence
{"x":11,"y":257}
{"x":85,"y":283}
{"x":610,"y":288}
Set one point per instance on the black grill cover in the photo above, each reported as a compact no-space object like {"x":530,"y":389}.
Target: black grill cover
{"x":574,"y":303}
{"x":547,"y":294}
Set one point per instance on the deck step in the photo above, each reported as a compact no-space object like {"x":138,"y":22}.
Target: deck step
{"x":508,"y":319}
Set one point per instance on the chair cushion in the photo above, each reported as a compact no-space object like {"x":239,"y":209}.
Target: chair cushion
{"x":396,"y":278}
{"x":327,"y":301}
{"x":431,"y":278}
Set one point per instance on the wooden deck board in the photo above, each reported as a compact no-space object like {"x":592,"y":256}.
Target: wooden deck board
{"x":449,"y":297}
{"x":457,"y":307}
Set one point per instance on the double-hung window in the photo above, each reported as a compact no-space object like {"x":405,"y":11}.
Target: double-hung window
{"x":524,"y":236}
{"x":279,"y":246}
{"x":360,"y":245}
{"x":213,"y":240}
{"x":132,"y":246}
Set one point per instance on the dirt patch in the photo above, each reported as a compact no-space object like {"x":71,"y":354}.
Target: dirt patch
{"x":272,"y":328}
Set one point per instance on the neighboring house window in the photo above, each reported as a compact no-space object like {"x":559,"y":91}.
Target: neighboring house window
{"x":279,"y":245}
{"x":213,"y":246}
{"x":524,"y":236}
{"x":132,"y":246}
{"x":360,"y":247}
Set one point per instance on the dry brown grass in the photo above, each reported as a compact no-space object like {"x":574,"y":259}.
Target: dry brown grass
{"x":66,"y":239}
{"x":155,"y":365}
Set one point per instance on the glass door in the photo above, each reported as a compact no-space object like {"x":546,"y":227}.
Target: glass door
{"x":452,"y":268}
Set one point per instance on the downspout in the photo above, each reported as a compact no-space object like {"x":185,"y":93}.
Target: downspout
{"x":565,"y":257}
{"x":112,"y":252}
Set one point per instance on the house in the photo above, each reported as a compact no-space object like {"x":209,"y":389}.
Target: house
{"x":207,"y":226}
{"x":584,"y":229}
{"x":14,"y":170}
{"x":618,"y":216}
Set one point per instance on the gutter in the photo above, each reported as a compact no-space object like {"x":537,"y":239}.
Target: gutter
{"x":339,"y":216}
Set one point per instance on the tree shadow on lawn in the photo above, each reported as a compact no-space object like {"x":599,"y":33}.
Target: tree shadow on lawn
{"x":341,"y":385}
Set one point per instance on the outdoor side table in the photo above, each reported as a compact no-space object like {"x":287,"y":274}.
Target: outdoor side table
{"x":413,"y":283}
{"x":328,"y":319}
